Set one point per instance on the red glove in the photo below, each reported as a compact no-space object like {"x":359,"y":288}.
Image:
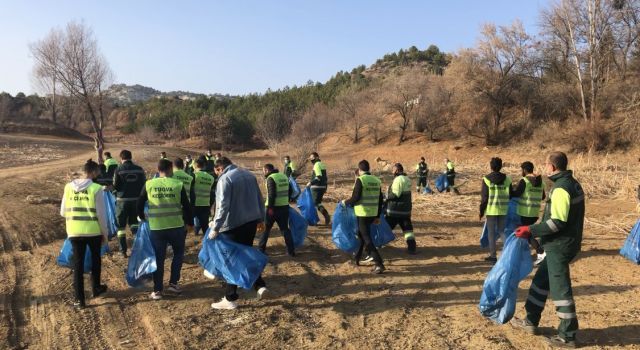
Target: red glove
{"x":271,"y":212}
{"x":523,"y":232}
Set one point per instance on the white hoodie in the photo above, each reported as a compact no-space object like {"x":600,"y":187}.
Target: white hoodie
{"x":101,"y":210}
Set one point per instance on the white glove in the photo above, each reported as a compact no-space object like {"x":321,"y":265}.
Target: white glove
{"x":211,"y":225}
{"x":212,"y":234}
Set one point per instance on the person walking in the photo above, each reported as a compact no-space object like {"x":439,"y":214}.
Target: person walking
{"x":318,"y":185}
{"x":128,"y":182}
{"x":560,"y":233}
{"x":290,"y":168}
{"x":366,"y":199}
{"x":398,"y":206}
{"x":169,"y":213}
{"x":530,"y":191}
{"x":451,"y":175}
{"x":239,"y":214}
{"x":85,"y":213}
{"x":178,"y":173}
{"x":494,"y":204}
{"x":279,"y":192}
{"x":202,"y":196}
{"x":422,"y":172}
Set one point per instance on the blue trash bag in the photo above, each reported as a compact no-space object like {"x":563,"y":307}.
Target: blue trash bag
{"x":631,"y":248}
{"x":236,"y":263}
{"x":298,"y":226}
{"x":381,"y":234}
{"x":513,"y":221}
{"x":142,"y":261}
{"x":295,"y":193}
{"x":112,"y":221}
{"x":427,"y":190}
{"x":442,"y":183}
{"x":66,"y":253}
{"x":344,"y":229}
{"x":308,"y":208}
{"x":500,"y":289}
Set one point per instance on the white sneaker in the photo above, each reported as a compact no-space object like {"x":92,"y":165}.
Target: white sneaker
{"x":209,"y":275}
{"x":224,"y":304}
{"x":539,"y":259}
{"x":367,"y":259}
{"x":155,"y":296}
{"x":173,"y":288}
{"x":261,"y":293}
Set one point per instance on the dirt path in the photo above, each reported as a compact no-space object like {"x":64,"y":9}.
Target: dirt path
{"x":319,"y":300}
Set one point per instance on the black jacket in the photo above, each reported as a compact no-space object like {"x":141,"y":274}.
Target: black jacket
{"x":128,"y":181}
{"x":357,"y":194}
{"x":497,"y":178}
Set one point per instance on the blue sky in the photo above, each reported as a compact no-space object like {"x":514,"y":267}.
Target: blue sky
{"x":240,"y":47}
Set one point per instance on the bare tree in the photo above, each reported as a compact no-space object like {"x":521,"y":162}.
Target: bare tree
{"x":73,"y":58}
{"x":214,"y":129}
{"x":44,"y":74}
{"x":353,"y":104}
{"x":435,"y":108}
{"x":402,"y":95}
{"x":273,"y":125}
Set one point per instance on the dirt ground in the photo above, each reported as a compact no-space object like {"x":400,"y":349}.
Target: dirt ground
{"x":318,"y":300}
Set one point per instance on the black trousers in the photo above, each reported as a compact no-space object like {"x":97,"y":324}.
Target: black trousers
{"x":405,"y":225}
{"x":201,"y":219}
{"x":244,"y":235}
{"x":422,"y":181}
{"x":364,"y":233}
{"x":280,"y":216}
{"x":451,"y":179}
{"x":79,"y":246}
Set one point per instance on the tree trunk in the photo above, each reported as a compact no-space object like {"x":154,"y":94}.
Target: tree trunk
{"x":54,"y":112}
{"x":577,"y":64}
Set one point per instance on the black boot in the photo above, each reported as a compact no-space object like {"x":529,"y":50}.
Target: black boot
{"x":99,"y":290}
{"x":411,"y":246}
{"x":327,"y":218}
{"x":123,"y":245}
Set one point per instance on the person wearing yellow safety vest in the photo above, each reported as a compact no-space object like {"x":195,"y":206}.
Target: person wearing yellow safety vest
{"x":178,"y":173}
{"x":169,"y":212}
{"x":290,"y":168}
{"x":202,"y":194}
{"x":128,"y":182}
{"x":278,"y":196}
{"x":451,"y":175}
{"x":530,"y":191}
{"x":318,"y":185}
{"x":188,"y":165}
{"x":84,"y":209}
{"x":560,"y":232}
{"x":110,"y":164}
{"x":398,"y":206}
{"x":494,"y":204}
{"x":366,"y":201}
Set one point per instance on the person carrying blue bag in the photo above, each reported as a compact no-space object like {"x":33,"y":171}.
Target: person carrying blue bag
{"x":83,"y":208}
{"x":494,"y":204}
{"x":239,"y":215}
{"x":366,"y":200}
{"x":344,"y":229}
{"x":169,"y":211}
{"x":560,"y":234}
{"x":278,"y":196}
{"x":398,"y":206}
{"x":318,"y":185}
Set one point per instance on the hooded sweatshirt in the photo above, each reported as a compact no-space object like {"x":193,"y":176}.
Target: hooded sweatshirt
{"x":495,"y":177}
{"x":101,"y":210}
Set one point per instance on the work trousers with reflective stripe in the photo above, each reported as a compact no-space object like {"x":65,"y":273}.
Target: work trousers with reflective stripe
{"x":405,"y":225}
{"x":553,"y":278}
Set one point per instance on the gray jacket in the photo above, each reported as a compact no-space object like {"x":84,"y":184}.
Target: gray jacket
{"x":238,"y":199}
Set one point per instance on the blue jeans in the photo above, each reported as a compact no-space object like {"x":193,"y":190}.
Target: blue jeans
{"x":160,"y":238}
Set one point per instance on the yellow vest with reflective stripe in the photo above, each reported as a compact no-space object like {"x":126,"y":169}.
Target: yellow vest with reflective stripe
{"x":530,"y":200}
{"x":109,"y":162}
{"x":184,"y":177}
{"x":498,"y":197}
{"x":80,"y":211}
{"x":282,"y":189}
{"x":165,"y":209}
{"x":368,"y":204}
{"x":202,"y":188}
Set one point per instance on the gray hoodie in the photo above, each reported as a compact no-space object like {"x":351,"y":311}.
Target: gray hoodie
{"x":101,"y":210}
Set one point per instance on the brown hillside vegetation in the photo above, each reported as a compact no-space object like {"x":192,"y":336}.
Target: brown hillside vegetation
{"x":318,"y":299}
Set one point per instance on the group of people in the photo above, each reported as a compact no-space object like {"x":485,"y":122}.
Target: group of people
{"x":183,"y":194}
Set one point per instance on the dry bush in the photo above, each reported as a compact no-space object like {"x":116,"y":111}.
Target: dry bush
{"x":147,"y":135}
{"x":215,"y":129}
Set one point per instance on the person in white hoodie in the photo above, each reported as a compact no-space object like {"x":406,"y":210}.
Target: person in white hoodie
{"x":84,"y":209}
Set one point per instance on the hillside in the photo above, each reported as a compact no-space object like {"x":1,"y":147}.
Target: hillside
{"x":123,"y":94}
